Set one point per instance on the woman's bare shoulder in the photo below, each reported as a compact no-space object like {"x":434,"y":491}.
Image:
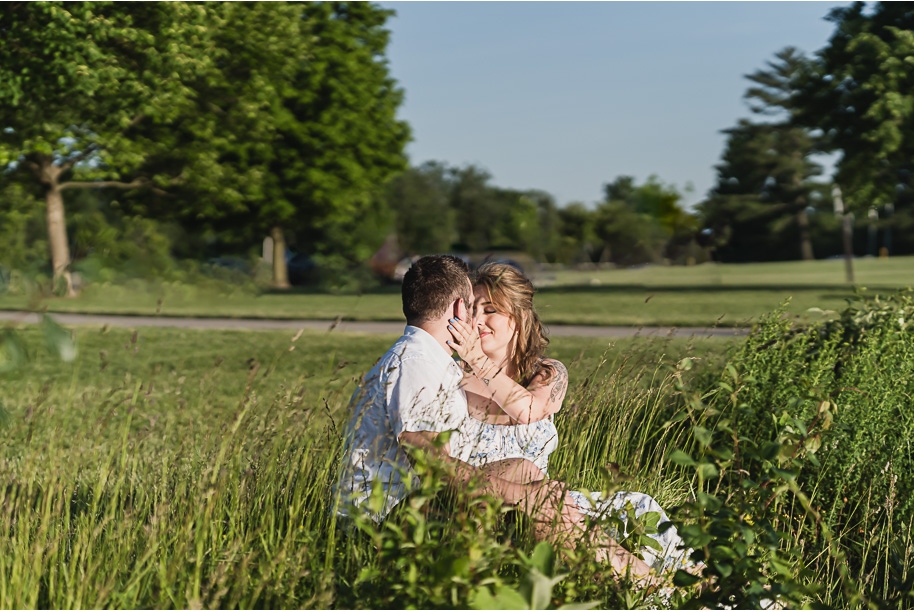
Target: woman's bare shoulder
{"x":550,"y":371}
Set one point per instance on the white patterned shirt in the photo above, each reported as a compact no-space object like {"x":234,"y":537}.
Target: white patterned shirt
{"x":415,"y":386}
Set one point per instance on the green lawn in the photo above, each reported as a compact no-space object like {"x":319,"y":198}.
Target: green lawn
{"x":709,"y":294}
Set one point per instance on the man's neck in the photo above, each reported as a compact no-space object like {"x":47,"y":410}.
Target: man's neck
{"x":438,"y":331}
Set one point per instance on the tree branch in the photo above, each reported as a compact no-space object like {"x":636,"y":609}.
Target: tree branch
{"x":93,"y":147}
{"x":96,"y":184}
{"x":72,"y":162}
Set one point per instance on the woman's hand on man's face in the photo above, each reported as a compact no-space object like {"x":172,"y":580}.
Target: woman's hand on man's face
{"x":466,"y":341}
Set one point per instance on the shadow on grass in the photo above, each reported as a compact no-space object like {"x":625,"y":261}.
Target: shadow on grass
{"x":844,"y":290}
{"x":706,"y":288}
{"x":305,"y":290}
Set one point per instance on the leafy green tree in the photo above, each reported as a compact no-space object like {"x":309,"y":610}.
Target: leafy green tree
{"x":420,"y":201}
{"x":339,"y":139}
{"x":215,"y":168}
{"x":639,"y":224}
{"x":478,"y":208}
{"x":577,"y":237}
{"x":544,"y":244}
{"x":294,"y":134}
{"x":860,"y":93}
{"x":76,"y":79}
{"x":628,"y":237}
{"x":765,"y":180}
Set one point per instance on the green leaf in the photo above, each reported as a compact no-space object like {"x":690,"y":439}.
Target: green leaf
{"x":812,"y":444}
{"x":681,"y":458}
{"x":702,"y":435}
{"x":650,"y":520}
{"x":708,"y":470}
{"x":541,"y":589}
{"x":709,"y":501}
{"x":723,"y":568}
{"x":543,"y":558}
{"x":693,"y":536}
{"x":506,"y":598}
{"x":679,"y":416}
{"x":781,"y":567}
{"x":684,"y":579}
{"x":648,"y":541}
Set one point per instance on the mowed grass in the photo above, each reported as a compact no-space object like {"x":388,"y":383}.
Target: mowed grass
{"x":189,"y":468}
{"x":726,"y":295}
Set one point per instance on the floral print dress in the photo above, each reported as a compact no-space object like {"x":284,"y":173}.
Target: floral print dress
{"x":479,"y":443}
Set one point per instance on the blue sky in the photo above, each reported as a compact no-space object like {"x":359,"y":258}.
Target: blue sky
{"x":565,"y":96}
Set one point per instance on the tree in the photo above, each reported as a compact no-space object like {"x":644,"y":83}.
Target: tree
{"x":860,"y":93}
{"x":478,"y":208}
{"x":76,"y":79}
{"x":578,"y":239}
{"x":420,"y":201}
{"x":215,"y":166}
{"x":766,"y":172}
{"x":338,"y":138}
{"x":645,"y":223}
{"x":294,"y":133}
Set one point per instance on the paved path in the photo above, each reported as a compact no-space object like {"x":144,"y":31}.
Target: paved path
{"x":365,"y":327}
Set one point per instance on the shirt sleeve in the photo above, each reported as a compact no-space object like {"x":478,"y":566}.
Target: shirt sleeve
{"x":420,"y":398}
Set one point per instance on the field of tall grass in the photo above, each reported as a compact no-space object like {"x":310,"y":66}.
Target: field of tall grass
{"x":166,"y":468}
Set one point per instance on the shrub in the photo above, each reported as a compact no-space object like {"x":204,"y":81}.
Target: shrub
{"x":851,"y":378}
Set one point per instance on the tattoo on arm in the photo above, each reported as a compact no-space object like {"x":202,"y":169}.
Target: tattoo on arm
{"x":560,"y":383}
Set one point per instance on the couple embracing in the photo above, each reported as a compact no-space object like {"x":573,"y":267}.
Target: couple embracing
{"x":497,"y":401}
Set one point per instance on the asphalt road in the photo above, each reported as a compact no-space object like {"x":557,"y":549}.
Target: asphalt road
{"x":364,"y":327}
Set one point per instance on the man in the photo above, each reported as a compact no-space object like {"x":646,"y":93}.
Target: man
{"x":414,"y":393}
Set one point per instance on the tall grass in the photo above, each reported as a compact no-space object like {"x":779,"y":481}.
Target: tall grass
{"x":154,"y":474}
{"x":143,"y":478}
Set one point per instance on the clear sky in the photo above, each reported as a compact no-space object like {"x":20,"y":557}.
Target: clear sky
{"x":565,"y":96}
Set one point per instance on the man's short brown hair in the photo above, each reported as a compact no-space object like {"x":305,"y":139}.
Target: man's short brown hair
{"x":431,"y":285}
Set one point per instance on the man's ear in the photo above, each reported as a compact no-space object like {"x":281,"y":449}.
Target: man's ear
{"x":460,"y":309}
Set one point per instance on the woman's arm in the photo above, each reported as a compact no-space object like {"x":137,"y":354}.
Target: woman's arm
{"x":514,"y":470}
{"x":541,"y":399}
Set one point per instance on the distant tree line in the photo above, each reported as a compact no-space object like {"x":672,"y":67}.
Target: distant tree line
{"x":438,"y":208}
{"x":145,"y":132}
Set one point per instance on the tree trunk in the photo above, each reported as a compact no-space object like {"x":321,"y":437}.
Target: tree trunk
{"x":805,"y":240}
{"x":57,"y":228}
{"x":280,"y":270}
{"x":847,"y":235}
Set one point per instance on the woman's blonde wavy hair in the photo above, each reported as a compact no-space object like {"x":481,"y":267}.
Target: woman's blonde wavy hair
{"x":512,"y":294}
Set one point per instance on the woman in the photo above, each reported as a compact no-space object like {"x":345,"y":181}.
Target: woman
{"x":513,"y":391}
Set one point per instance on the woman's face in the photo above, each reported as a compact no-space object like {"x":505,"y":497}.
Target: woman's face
{"x":496,"y":329}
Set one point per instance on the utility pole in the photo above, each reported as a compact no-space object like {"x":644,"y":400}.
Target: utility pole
{"x":847,"y":230}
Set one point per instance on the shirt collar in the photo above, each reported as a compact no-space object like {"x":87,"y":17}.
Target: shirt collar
{"x":428,"y":342}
